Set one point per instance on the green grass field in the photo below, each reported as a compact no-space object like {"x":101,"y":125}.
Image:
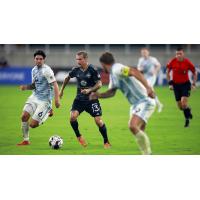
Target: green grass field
{"x":166,"y":131}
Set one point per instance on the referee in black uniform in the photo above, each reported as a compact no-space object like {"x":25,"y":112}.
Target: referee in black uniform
{"x":88,"y":81}
{"x":180,"y":82}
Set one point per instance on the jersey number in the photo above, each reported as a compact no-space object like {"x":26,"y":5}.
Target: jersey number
{"x":95,"y":107}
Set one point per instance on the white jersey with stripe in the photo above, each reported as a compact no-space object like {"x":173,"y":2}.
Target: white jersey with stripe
{"x":148,"y":66}
{"x":132,"y":89}
{"x":43,"y":77}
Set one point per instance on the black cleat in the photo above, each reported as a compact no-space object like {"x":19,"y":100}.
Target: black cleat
{"x":187,"y":123}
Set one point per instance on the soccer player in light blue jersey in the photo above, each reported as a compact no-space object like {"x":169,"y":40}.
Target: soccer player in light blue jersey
{"x":150,"y":67}
{"x":137,"y":91}
{"x":39,"y":105}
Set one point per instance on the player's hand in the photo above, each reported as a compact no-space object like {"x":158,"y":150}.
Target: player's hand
{"x":61,"y":94}
{"x":22,"y":87}
{"x":86,"y":91}
{"x":171,"y":87}
{"x":193,"y":86}
{"x":57,"y":103}
{"x":150,"y":92}
{"x":93,"y":95}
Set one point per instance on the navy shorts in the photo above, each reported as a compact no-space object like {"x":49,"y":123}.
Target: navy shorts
{"x":92,"y":107}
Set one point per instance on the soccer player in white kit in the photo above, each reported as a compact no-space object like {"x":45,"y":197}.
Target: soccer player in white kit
{"x":139,"y":94}
{"x":150,"y":67}
{"x":39,"y":105}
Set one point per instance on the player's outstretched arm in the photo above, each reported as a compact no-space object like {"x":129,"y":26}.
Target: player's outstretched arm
{"x":157,"y":68}
{"x":56,"y":94}
{"x":107,"y":94}
{"x":194,"y":80}
{"x":139,"y":76}
{"x":27,"y":87}
{"x":96,"y":87}
{"x":66,"y":81}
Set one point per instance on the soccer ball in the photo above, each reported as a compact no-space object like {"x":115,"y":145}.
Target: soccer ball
{"x":55,"y":142}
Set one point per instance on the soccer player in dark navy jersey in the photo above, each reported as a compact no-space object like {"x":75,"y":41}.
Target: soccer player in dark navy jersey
{"x":88,"y":81}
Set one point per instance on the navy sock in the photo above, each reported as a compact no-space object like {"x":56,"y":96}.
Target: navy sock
{"x":74,"y":125}
{"x":103,"y":132}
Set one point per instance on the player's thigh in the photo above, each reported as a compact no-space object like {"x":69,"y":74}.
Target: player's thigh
{"x":40,"y":113}
{"x":135,"y":120}
{"x":28,"y":110}
{"x":186,"y":89}
{"x":77,"y":108}
{"x":177,"y":92}
{"x":93,"y":107}
{"x":135,"y":123}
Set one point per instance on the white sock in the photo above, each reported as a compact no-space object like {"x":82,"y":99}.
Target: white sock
{"x":158,"y":103}
{"x":25,"y":130}
{"x":143,"y":142}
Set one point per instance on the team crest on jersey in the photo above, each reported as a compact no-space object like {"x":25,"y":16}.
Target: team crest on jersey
{"x":88,"y":75}
{"x":83,"y":83}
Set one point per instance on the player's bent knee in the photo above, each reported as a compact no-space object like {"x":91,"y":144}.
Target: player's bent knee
{"x":24,"y":117}
{"x":179,"y":106}
{"x":99,"y":122}
{"x":73,"y":118}
{"x":133,"y":128}
{"x":184,"y":105}
{"x":34,"y":124}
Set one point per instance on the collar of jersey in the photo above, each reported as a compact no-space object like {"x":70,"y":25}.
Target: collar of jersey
{"x":85,"y":69}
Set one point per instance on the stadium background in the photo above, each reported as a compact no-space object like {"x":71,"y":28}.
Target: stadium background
{"x":165,"y":129}
{"x":16,"y":60}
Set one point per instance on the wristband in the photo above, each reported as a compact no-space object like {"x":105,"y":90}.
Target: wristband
{"x":170,"y":82}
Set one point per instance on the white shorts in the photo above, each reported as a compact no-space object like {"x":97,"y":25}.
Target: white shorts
{"x":39,"y":110}
{"x":151,"y":80}
{"x":143,"y":109}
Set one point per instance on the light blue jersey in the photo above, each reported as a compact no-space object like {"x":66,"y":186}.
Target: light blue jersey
{"x":43,"y":78}
{"x":132,"y":89}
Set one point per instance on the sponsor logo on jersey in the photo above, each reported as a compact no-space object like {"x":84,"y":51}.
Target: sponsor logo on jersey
{"x":83,"y":83}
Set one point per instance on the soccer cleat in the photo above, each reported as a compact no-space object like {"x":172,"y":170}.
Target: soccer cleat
{"x":51,"y":113}
{"x":82,"y":141}
{"x":107,"y":145}
{"x":23,"y":143}
{"x":187,"y":123}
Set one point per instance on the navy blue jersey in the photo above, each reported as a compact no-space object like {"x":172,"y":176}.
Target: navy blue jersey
{"x":85,"y":79}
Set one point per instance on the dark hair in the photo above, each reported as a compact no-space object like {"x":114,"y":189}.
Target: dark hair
{"x":40,"y":53}
{"x":83,"y":53}
{"x":107,"y":58}
{"x":179,"y":49}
